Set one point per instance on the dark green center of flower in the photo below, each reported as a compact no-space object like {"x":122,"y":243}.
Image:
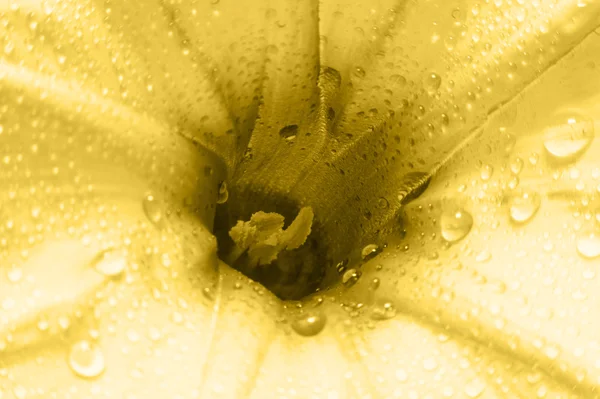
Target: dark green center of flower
{"x":281,"y":247}
{"x":311,"y":160}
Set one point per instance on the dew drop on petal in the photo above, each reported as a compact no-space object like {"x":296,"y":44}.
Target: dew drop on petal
{"x":15,"y":274}
{"x":588,"y":245}
{"x":383,"y":203}
{"x":111,"y":262}
{"x":375,"y":283}
{"x":430,"y":364}
{"x":523,"y":205}
{"x":398,"y":80}
{"x":223,"y":195}
{"x":552,"y":351}
{"x":351,"y":277}
{"x":383,"y":310}
{"x":370,"y":251}
{"x":510,"y":142}
{"x":153,"y":209}
{"x":20,"y":392}
{"x":359,"y":72}
{"x":341,"y":266}
{"x":483,"y":256}
{"x":289,"y":131}
{"x":474,"y":388}
{"x":455,"y":224}
{"x":486,"y":172}
{"x":516,"y":165}
{"x":569,"y":137}
{"x":401,"y":375}
{"x":309,"y":324}
{"x":86,"y":360}
{"x":432,"y":82}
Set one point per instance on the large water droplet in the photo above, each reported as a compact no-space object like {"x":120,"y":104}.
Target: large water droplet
{"x":588,"y":245}
{"x":523,"y":205}
{"x":569,"y":136}
{"x":309,"y":324}
{"x":289,"y":131}
{"x":370,"y":251}
{"x":351,"y":277}
{"x":153,"y":208}
{"x":455,"y":224}
{"x":86,"y":360}
{"x":223,"y":195}
{"x":111,"y":262}
{"x":432,"y":82}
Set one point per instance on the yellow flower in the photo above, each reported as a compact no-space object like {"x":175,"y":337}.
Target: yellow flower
{"x":437,"y":158}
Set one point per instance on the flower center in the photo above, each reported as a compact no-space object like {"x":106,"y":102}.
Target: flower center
{"x":350,"y":180}
{"x":279,"y":245}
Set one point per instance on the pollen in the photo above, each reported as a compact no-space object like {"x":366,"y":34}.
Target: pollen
{"x":263,"y":237}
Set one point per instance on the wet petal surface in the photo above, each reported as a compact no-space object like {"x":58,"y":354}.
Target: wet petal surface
{"x":483,"y":298}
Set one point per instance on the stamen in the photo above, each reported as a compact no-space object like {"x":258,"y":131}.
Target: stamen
{"x":263,"y":236}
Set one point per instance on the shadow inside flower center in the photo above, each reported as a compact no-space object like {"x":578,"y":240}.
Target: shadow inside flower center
{"x":295,"y":273}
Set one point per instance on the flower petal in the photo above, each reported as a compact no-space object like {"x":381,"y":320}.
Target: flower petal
{"x":160,"y":59}
{"x":515,"y":279}
{"x":170,"y":307}
{"x":128,"y":205}
{"x":429,"y":76}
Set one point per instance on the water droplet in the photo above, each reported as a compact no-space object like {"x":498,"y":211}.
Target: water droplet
{"x":483,"y":256}
{"x":86,"y":360}
{"x":15,"y":274}
{"x":375,"y":283}
{"x":208,"y":293}
{"x":516,"y":165}
{"x":351,"y":277}
{"x":359,"y":72}
{"x":289,"y":131}
{"x":475,"y":388}
{"x":370,"y":251}
{"x":397,"y":80}
{"x":153,"y":209}
{"x":455,"y":224}
{"x":510,"y":142}
{"x":552,"y":351}
{"x":588,"y":245}
{"x":432,"y":82}
{"x":534,"y":157}
{"x":341,"y":266}
{"x":20,"y":392}
{"x":523,"y":205}
{"x":412,"y":186}
{"x":430,"y":364}
{"x":401,"y":375}
{"x":458,"y":14}
{"x":569,"y":136}
{"x":111,"y":262}
{"x":383,"y":203}
{"x":383,"y":310}
{"x":486,"y":172}
{"x":223,"y":195}
{"x":310,"y":324}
